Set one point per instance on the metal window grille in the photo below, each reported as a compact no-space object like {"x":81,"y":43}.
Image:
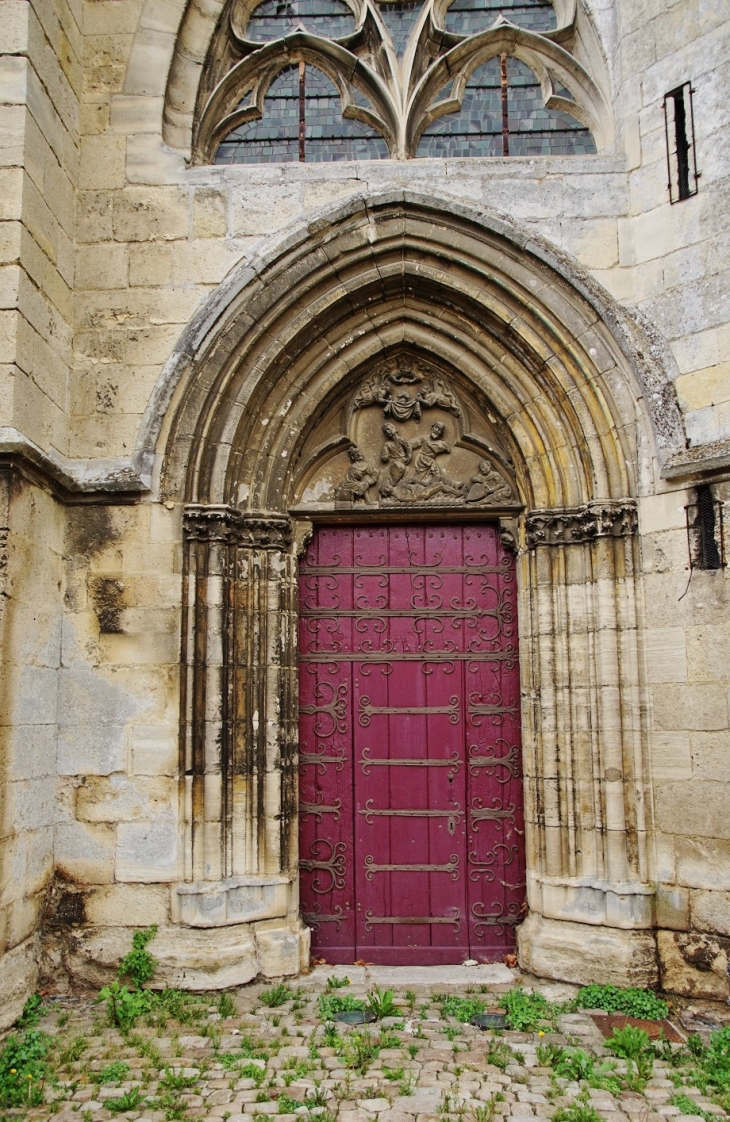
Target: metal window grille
{"x":679,"y":129}
{"x":705,"y":531}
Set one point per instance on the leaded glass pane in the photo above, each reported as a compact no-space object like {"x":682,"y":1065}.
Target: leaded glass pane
{"x":476,"y":130}
{"x":331,"y":19}
{"x":465,"y":17}
{"x":274,"y":138}
{"x":400,"y":19}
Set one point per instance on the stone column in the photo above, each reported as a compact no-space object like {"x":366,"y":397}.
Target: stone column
{"x":239,"y":728}
{"x":591,"y":906}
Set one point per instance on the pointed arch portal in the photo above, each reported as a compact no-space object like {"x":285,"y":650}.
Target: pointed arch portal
{"x":450,"y":326}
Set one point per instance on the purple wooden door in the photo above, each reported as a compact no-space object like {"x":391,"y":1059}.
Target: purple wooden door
{"x":411,"y":829}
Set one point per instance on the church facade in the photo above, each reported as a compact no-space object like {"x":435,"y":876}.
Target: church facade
{"x":365,"y":455}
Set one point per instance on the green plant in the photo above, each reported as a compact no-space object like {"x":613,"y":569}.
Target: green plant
{"x":576,"y":1112}
{"x":176,"y":1081}
{"x":276,"y":995}
{"x":462,"y":1008}
{"x":124,"y":1007}
{"x":451,"y":1033}
{"x":63,"y":1019}
{"x":112,"y":1073}
{"x":139,"y":965}
{"x":410,"y":997}
{"x":393,"y":1074}
{"x":405,"y":1087}
{"x":359,"y":1050}
{"x":334,"y":983}
{"x":33,"y":1010}
{"x":632,"y":1044}
{"x":130,"y":1100}
{"x":331,"y":1035}
{"x":526,"y":1010}
{"x":73,"y":1051}
{"x":389,"y":1040}
{"x":287,"y":1105}
{"x":485,"y":1113}
{"x":23,"y":1069}
{"x":381,"y":1003}
{"x":689,"y":1106}
{"x":330,"y":1004}
{"x":413,"y":1051}
{"x":226,"y":1005}
{"x":633,"y":1002}
{"x":548,"y":1055}
{"x":499,"y":1054}
{"x":575,"y":1064}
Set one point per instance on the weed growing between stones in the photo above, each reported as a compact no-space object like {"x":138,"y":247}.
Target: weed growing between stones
{"x":643,"y":1004}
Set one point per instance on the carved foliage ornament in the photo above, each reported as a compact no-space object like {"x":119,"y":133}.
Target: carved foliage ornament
{"x":397,"y":95}
{"x":226,"y":524}
{"x":611,"y":518}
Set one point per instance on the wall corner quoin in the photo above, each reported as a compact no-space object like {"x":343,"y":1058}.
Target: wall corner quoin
{"x":585,"y":954}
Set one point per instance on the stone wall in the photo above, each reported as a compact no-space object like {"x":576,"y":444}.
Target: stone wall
{"x":109,"y":243}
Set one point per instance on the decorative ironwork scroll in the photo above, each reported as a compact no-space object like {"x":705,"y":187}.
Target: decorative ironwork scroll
{"x":319,"y":760}
{"x":332,"y":863}
{"x":453,"y":816}
{"x":489,"y":764}
{"x":333,"y":713}
{"x":453,"y":920}
{"x":451,"y":867}
{"x":314,"y":918}
{"x":317,"y":809}
{"x":495,"y":813}
{"x":366,"y":762}
{"x":480,"y":707}
{"x":497,"y":918}
{"x":367,"y":710}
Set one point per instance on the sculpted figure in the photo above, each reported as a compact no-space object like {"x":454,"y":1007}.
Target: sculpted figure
{"x":436,"y":392}
{"x":395,"y":455}
{"x":359,"y":479}
{"x":427,"y":472}
{"x":403,"y":407}
{"x":488,"y":484}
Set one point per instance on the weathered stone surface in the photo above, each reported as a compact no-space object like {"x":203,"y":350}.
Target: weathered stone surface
{"x":694,"y":964}
{"x":586,"y":954}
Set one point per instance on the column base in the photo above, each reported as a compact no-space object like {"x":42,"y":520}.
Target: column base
{"x":585,"y":953}
{"x":193,"y":959}
{"x":18,"y":979}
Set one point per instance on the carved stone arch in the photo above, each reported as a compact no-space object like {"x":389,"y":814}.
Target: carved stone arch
{"x":575,"y":408}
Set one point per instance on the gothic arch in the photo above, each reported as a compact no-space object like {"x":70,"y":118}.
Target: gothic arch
{"x":580,"y":405}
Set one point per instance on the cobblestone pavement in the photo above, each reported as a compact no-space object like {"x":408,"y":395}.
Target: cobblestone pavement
{"x":284,"y":1060}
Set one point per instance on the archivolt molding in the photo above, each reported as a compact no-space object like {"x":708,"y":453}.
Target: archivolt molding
{"x":575,"y":382}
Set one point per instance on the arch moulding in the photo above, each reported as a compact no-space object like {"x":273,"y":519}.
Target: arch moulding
{"x":539,"y":375}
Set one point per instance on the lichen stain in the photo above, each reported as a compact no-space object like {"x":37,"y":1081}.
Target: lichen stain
{"x":107,"y":595}
{"x":89,"y":530}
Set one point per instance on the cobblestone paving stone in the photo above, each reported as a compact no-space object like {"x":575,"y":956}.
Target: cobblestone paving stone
{"x":418,"y":1067}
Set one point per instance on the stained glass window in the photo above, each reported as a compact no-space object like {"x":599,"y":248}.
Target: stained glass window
{"x":327,"y":135}
{"x":478,"y":129}
{"x":465,"y":17}
{"x":400,"y":19}
{"x":332,"y":19}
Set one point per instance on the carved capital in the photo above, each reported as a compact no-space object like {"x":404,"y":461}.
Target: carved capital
{"x":226,"y":524}
{"x":615,"y":518}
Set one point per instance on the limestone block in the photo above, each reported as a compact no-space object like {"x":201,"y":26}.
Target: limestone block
{"x":693,"y":965}
{"x":150,"y":265}
{"x":233,"y":901}
{"x":84,"y":853}
{"x":670,"y":755}
{"x":711,"y":911}
{"x":703,"y":863}
{"x":91,"y":749}
{"x":278,"y":952}
{"x":666,"y":654}
{"x":12,"y":135}
{"x":121,"y":798}
{"x":14,"y":30}
{"x":13,"y":79}
{"x":320,"y":193}
{"x":104,"y":266}
{"x":704,"y":809}
{"x":18,"y":979}
{"x":94,"y":223}
{"x":210,"y":208}
{"x":148,"y":851}
{"x":586,"y":954}
{"x":704,"y":387}
{"x":125,"y":905}
{"x":305,"y":949}
{"x":102,"y":162}
{"x":261,"y":210}
{"x":672,"y":907}
{"x":136,"y":114}
{"x":663,"y":512}
{"x":148,"y":161}
{"x":680,"y":707}
{"x":153,"y":750}
{"x":143,"y":214}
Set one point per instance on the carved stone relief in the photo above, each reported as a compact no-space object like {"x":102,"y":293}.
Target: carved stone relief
{"x":404,"y":441}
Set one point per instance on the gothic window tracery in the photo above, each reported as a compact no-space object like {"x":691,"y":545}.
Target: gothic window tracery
{"x":328,"y":80}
